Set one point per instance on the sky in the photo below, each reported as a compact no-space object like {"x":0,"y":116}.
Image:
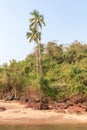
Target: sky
{"x":66,"y":21}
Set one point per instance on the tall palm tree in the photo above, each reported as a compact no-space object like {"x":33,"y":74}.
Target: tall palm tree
{"x":36,"y":23}
{"x":34,"y":36}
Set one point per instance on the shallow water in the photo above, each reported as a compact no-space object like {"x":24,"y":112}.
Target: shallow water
{"x":57,"y":127}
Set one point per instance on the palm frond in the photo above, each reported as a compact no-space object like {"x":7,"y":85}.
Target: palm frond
{"x":35,"y":13}
{"x":40,"y":25}
{"x":42,"y":20}
{"x":32,"y":20}
{"x":28,"y":35}
{"x":32,"y":25}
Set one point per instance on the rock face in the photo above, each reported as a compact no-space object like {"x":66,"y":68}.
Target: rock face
{"x":74,"y":104}
{"x":76,"y":109}
{"x":9,"y":98}
{"x":38,"y":104}
{"x":24,"y":100}
{"x":2,"y":109}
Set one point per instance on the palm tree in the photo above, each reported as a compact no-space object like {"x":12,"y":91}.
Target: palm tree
{"x":34,"y":34}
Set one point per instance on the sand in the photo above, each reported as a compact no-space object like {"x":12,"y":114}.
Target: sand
{"x":17,"y":114}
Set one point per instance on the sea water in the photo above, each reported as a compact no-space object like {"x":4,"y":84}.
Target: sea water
{"x":47,"y":127}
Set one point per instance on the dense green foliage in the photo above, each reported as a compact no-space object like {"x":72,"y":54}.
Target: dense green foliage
{"x":63,"y":72}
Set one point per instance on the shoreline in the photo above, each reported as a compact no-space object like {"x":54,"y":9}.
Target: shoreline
{"x":17,"y":114}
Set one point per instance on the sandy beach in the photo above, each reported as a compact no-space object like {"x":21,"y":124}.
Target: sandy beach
{"x":17,"y":114}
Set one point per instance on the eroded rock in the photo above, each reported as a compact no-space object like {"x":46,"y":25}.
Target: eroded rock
{"x":2,"y":109}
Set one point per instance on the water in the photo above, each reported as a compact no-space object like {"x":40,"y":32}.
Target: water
{"x":58,"y":127}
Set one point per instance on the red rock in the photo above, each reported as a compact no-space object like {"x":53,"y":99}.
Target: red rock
{"x":76,"y":109}
{"x":2,"y":109}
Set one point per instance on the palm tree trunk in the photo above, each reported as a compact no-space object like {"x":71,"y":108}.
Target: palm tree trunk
{"x":37,"y":68}
{"x":39,"y":58}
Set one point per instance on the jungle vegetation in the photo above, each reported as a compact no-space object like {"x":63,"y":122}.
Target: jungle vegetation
{"x":52,"y":70}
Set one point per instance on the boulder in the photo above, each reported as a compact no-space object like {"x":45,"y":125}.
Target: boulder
{"x":9,"y":98}
{"x":2,"y":109}
{"x":75,"y":109}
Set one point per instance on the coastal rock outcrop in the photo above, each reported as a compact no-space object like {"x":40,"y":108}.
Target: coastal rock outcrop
{"x":2,"y":109}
